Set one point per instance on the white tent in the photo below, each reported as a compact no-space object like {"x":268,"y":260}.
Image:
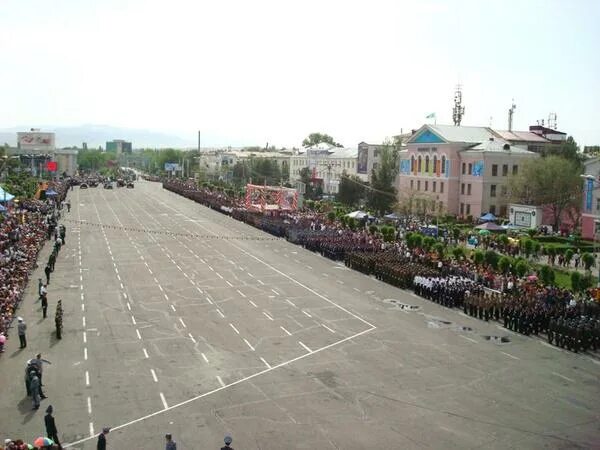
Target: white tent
{"x":357,"y":214}
{"x":5,"y":196}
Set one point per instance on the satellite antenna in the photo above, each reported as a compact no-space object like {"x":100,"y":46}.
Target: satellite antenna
{"x":458,"y":111}
{"x":511,"y":113}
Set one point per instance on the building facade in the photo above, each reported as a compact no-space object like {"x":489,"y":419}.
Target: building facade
{"x":590,"y":211}
{"x":119,"y":146}
{"x":462,"y":171}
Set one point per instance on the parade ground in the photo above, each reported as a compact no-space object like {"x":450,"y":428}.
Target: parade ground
{"x":179,"y":319}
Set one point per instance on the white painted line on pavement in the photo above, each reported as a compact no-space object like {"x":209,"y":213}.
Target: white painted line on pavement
{"x":179,"y":268}
{"x":122,"y":287}
{"x":156,"y":281}
{"x":154,"y":375}
{"x":166,"y":296}
{"x":84,"y":337}
{"x":274,"y":292}
{"x":164,"y":401}
{"x":325,"y":274}
{"x":146,"y":354}
{"x":83,"y":321}
{"x":92,"y":434}
{"x":234,"y":328}
{"x":250,"y":275}
{"x":356,"y":289}
{"x":265,"y":362}
{"x":220,"y":313}
{"x":227,"y":281}
{"x":116,"y":270}
{"x":133,"y":320}
{"x":210,"y":267}
{"x":209,"y":300}
{"x":128,"y":306}
{"x":219,"y":275}
{"x":268,"y":316}
{"x":260,"y":282}
{"x":138,"y":334}
{"x":150,"y":270}
{"x":87,"y":378}
{"x":172,"y":307}
{"x":182,"y":322}
{"x":199,"y":290}
{"x":204,"y":357}
{"x":306,"y":314}
{"x":241,"y":293}
{"x":253,"y":304}
{"x":291,"y":303}
{"x":220,"y":381}
{"x":563,"y":377}
{"x":119,"y":277}
{"x":468,"y":338}
{"x":249,"y":345}
{"x":340,"y":282}
{"x":89,"y":405}
{"x":309,"y":267}
{"x":192,"y":338}
{"x":82,"y":296}
{"x":510,"y":356}
{"x":83,"y":306}
{"x":305,"y":347}
{"x":327,"y":328}
{"x":161,"y":288}
{"x":286,"y":331}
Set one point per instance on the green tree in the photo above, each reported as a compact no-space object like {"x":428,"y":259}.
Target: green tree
{"x":382,"y":194}
{"x":439,"y":250}
{"x":351,"y":190}
{"x":331,"y":216}
{"x":521,"y":268}
{"x":588,"y":261}
{"x":478,"y":257}
{"x":576,"y":281}
{"x":569,"y":149}
{"x":491,"y":258}
{"x":504,"y":264}
{"x":547,"y":275}
{"x":318,"y":138}
{"x":553,"y":181}
{"x":569,"y":255}
{"x":458,"y":252}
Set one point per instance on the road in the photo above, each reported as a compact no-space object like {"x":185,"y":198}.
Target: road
{"x":179,"y":319}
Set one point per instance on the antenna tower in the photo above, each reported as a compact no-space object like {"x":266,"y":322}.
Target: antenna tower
{"x":511,"y":113}
{"x":552,"y":121}
{"x":458,"y":111}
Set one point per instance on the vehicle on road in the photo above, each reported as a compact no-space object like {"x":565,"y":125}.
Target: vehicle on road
{"x":108,"y":186}
{"x":120,"y":182}
{"x":130,"y":185}
{"x":83,"y":186}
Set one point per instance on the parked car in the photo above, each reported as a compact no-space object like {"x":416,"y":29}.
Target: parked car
{"x":108,"y":186}
{"x":83,"y":186}
{"x":130,"y":185}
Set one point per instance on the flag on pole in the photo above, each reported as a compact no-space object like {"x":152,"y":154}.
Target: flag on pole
{"x":430,"y":116}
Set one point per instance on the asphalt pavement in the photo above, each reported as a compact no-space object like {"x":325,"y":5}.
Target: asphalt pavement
{"x":178,"y":319}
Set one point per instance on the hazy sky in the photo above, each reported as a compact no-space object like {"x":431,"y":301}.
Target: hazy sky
{"x":251,"y":72}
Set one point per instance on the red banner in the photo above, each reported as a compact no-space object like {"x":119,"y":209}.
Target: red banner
{"x":51,"y":166}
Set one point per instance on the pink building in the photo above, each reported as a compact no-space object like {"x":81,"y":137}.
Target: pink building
{"x":458,"y":170}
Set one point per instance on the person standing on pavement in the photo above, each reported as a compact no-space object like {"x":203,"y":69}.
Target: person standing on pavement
{"x":171,"y":444}
{"x":34,"y":386}
{"x":44,"y":299}
{"x":51,"y":430}
{"x":21,"y":330}
{"x":102,"y":439}
{"x":38,"y":363}
{"x":48,"y":271}
{"x":228,"y":440}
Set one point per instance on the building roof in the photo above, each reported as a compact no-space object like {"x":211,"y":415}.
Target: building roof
{"x":453,"y":133}
{"x":521,"y":136}
{"x":494,"y":145}
{"x":332,"y":152}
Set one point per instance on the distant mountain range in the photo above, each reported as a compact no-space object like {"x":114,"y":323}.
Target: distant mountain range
{"x":98,"y":135}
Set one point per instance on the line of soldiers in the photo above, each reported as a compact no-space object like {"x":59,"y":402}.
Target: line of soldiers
{"x":58,"y":319}
{"x":449,"y":291}
{"x":574,"y":333}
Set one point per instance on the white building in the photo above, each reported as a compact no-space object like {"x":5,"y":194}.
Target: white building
{"x":326,"y":163}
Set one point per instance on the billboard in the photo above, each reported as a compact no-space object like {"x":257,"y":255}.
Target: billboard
{"x":171,"y":167}
{"x":363,"y":160}
{"x":35,"y":140}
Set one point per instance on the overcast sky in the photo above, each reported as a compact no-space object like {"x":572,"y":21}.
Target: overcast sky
{"x":251,"y":72}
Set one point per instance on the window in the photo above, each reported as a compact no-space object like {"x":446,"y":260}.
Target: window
{"x":420,"y":162}
{"x":412,"y":163}
{"x":468,"y":209}
{"x":442,"y":187}
{"x":433,"y":187}
{"x":469,"y":189}
{"x":493,"y":209}
{"x":427,"y":185}
{"x":376,"y":153}
{"x":418,"y":185}
{"x":470,"y":171}
{"x":515,"y":170}
{"x":464,"y":168}
{"x":462,"y":209}
{"x":493,"y":190}
{"x":494,"y":170}
{"x":598,"y":204}
{"x":412,"y":184}
{"x":426,"y":165}
{"x":435,"y":164}
{"x":443,"y":164}
{"x":504,"y":170}
{"x":462,"y":189}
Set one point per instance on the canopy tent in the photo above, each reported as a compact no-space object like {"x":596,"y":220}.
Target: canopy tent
{"x":5,"y":196}
{"x":51,"y":193}
{"x":490,"y":226}
{"x":489,"y":217}
{"x":392,"y":216}
{"x":357,"y":214}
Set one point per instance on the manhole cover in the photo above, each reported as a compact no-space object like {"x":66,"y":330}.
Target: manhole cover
{"x":497,"y":339}
{"x":401,"y":305}
{"x":465,"y":329}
